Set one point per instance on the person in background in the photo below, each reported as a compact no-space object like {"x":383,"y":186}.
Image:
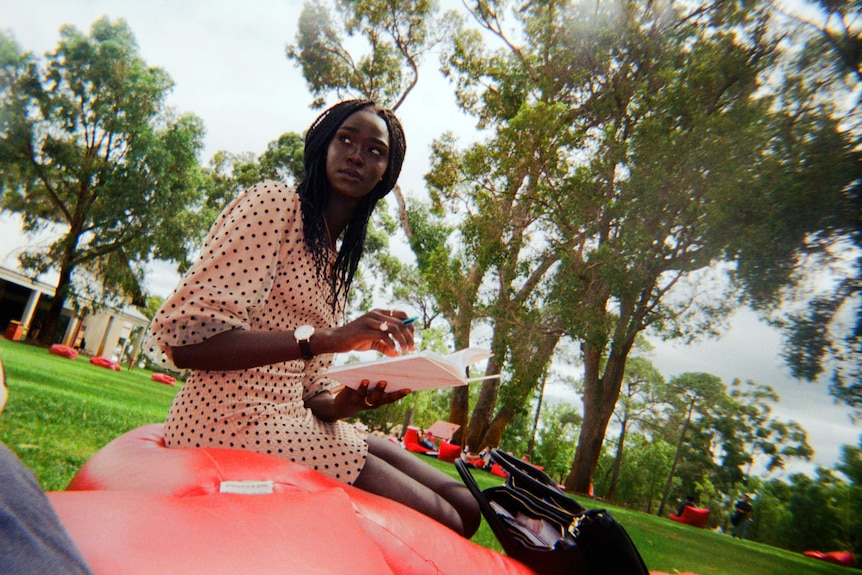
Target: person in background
{"x":741,"y":516}
{"x":426,"y":440}
{"x":485,"y":455}
{"x":32,"y":539}
{"x":689,"y":501}
{"x":260,"y":316}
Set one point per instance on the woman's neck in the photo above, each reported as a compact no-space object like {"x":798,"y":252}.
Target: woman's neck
{"x":336,"y":219}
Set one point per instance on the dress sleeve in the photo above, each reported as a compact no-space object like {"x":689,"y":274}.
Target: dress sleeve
{"x":234,"y":275}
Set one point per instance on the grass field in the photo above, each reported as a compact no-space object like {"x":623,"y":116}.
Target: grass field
{"x":61,"y":411}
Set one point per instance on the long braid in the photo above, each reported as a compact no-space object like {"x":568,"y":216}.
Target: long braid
{"x":313,"y":192}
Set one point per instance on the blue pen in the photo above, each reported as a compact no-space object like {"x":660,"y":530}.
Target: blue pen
{"x":409,"y":320}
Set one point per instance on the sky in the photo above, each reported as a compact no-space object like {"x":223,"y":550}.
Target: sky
{"x":228,"y":62}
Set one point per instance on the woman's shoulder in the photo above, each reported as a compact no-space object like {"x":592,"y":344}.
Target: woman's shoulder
{"x":273,"y":188}
{"x":269,"y":203}
{"x":270,"y":193}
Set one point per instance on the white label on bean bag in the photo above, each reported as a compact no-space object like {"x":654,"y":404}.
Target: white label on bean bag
{"x":246,"y":487}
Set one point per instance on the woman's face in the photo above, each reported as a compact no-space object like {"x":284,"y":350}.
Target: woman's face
{"x":358,"y":155}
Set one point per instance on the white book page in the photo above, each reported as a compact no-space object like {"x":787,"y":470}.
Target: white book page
{"x":415,"y":371}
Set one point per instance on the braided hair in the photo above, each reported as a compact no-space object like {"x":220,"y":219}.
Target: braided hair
{"x":314,"y":194}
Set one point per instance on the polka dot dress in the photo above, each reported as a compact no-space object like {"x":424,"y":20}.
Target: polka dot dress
{"x":255,"y":273}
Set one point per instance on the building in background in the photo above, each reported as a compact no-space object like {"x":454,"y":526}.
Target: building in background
{"x":97,"y":330}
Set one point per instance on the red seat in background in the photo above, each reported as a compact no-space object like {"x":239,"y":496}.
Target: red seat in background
{"x":448,"y":451}
{"x":105,"y":362}
{"x":694,"y":516}
{"x":63,"y":351}
{"x":845,"y":558}
{"x":164,"y":378}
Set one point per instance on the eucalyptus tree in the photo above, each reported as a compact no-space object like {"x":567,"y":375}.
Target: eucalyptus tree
{"x":724,"y":431}
{"x":747,"y":434}
{"x":696,"y":395}
{"x":823,"y":334}
{"x":645,"y":132}
{"x":495,"y":271}
{"x":88,"y":143}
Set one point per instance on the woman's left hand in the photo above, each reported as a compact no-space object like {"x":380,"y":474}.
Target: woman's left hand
{"x":352,"y":401}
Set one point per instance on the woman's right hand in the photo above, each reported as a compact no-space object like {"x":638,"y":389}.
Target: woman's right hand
{"x":380,"y":330}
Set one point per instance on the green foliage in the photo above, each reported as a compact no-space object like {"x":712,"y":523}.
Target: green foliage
{"x":623,"y":150}
{"x":723,"y":432}
{"x":397,"y":35}
{"x":646,"y":465}
{"x":87,"y":142}
{"x":555,"y":447}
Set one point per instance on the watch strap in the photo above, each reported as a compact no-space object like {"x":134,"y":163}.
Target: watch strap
{"x":305,"y":348}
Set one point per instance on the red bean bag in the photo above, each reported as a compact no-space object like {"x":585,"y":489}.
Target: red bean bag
{"x":137,"y":533}
{"x":105,"y":362}
{"x":497,"y":470}
{"x":448,"y":451}
{"x":136,"y":472}
{"x":694,"y":516}
{"x":845,"y":558}
{"x":411,"y":442}
{"x":63,"y":351}
{"x":164,"y":378}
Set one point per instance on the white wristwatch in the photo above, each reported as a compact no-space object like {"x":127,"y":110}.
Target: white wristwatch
{"x":302,"y":334}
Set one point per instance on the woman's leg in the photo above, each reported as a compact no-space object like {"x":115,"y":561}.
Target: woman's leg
{"x":399,"y":475}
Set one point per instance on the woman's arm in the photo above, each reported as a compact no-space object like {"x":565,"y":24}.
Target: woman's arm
{"x":243,"y":349}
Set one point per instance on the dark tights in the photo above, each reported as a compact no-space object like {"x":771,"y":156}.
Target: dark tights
{"x":399,"y":475}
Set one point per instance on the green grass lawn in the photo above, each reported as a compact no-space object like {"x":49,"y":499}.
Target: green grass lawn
{"x":61,"y":411}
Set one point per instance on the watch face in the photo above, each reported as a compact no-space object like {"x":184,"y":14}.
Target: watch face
{"x":303,"y":332}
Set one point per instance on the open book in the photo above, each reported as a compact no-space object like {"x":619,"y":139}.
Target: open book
{"x":414,"y":371}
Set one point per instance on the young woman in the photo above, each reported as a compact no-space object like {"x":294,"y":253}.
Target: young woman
{"x":260,"y":315}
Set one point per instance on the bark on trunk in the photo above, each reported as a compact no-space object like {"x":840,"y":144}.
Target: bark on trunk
{"x":494,"y":434}
{"x":600,"y":397}
{"x":458,"y":410}
{"x":618,"y":460}
{"x":483,"y":411}
{"x":48,"y":330}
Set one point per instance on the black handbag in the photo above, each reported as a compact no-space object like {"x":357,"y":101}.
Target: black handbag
{"x":542,"y":527}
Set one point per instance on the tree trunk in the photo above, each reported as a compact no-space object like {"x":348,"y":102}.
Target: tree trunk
{"x":483,"y":411}
{"x":64,"y":283}
{"x":48,"y":330}
{"x":407,"y":421}
{"x":459,"y":402}
{"x":532,"y":444}
{"x":458,"y":409}
{"x":673,"y":465}
{"x":600,"y":397}
{"x":494,"y":433}
{"x":618,"y":460}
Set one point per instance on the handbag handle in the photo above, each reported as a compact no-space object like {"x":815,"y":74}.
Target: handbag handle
{"x":523,"y":476}
{"x":469,"y":481}
{"x":510,"y":463}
